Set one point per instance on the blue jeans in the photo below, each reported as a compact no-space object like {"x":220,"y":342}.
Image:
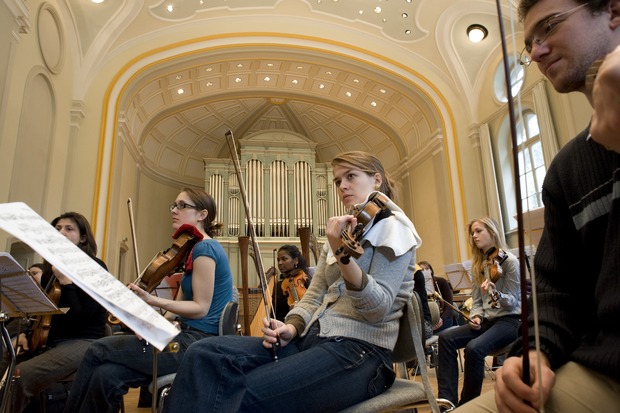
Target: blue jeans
{"x":113,"y":364}
{"x":45,"y":369}
{"x":491,"y":337}
{"x":313,"y":374}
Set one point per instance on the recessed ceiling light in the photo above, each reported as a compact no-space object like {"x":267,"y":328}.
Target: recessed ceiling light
{"x":97,"y":1}
{"x":349,"y":94}
{"x":238,"y":80}
{"x":267,"y":79}
{"x":180,"y":91}
{"x":477,"y":33}
{"x":170,"y":8}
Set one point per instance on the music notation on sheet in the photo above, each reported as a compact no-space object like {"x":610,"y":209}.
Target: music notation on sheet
{"x":21,"y":221}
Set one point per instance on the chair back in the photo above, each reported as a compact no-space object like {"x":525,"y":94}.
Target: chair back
{"x":435,"y":312}
{"x":228,"y":319}
{"x":404,"y":350}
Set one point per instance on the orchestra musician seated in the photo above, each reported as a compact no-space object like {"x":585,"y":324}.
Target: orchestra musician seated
{"x":56,"y":344}
{"x":293,"y":281}
{"x":442,"y":287}
{"x":114,"y":364}
{"x":335,"y":344}
{"x":494,"y":316}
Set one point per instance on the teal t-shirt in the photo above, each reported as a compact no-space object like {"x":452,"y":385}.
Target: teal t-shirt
{"x":222,"y":288}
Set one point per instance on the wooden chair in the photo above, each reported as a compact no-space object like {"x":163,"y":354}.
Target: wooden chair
{"x":405,"y":393}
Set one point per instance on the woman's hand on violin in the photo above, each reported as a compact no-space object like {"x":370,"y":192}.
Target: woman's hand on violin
{"x":511,"y":394}
{"x":335,"y":226}
{"x":486,"y":285}
{"x":278,"y":330}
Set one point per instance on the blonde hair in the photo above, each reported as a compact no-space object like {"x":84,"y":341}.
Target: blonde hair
{"x":370,"y":165}
{"x":477,"y":255}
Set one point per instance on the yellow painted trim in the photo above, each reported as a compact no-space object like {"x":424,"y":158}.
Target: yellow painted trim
{"x":246,"y":45}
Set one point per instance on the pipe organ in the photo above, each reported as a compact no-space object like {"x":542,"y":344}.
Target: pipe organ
{"x":286,"y":189}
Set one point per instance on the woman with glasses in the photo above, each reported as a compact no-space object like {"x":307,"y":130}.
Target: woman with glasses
{"x":335,"y":344}
{"x":114,"y":364}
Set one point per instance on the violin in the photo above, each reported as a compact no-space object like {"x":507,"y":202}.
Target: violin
{"x":294,"y":286}
{"x":171,"y":260}
{"x":43,"y":323}
{"x":492,"y":267}
{"x":365,"y":214}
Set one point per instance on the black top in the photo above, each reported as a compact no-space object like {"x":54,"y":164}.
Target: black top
{"x":86,"y":318}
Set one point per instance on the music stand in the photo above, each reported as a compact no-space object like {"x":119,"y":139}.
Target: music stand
{"x":20,"y":296}
{"x":459,"y":276}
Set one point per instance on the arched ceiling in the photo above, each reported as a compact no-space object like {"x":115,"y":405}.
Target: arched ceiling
{"x":174,"y":113}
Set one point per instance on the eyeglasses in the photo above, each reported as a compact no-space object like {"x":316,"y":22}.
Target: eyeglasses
{"x":181,"y":206}
{"x":542,"y":31}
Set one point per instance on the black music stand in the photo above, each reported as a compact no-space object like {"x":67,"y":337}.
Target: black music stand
{"x":20,"y":296}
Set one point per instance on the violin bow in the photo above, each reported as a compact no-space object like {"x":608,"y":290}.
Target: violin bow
{"x":133,"y":236}
{"x":257,"y":255}
{"x":520,"y":230}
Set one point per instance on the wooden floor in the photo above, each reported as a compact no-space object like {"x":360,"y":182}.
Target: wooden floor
{"x":131,"y":399}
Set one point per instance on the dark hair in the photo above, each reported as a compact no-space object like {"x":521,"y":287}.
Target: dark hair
{"x":38,"y":265}
{"x":593,"y":5}
{"x":369,"y":164}
{"x":430,"y":267}
{"x":88,"y":245}
{"x":202,"y":200}
{"x":294,"y":252}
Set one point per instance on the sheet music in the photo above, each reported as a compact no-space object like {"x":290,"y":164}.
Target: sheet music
{"x":21,"y":221}
{"x":21,"y":295}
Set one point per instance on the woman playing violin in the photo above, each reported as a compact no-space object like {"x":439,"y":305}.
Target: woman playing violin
{"x":293,"y":282}
{"x":496,"y":306}
{"x":63,"y":338}
{"x":113,"y":364}
{"x":335,"y":344}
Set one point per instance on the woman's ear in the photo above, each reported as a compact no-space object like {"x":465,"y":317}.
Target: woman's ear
{"x":378,"y":180}
{"x":203,"y":214}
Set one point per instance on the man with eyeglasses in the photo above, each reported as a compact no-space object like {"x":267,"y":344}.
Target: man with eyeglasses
{"x":577,"y":264}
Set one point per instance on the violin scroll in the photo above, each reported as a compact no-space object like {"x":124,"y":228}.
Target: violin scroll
{"x":167,"y":262}
{"x":365,"y":214}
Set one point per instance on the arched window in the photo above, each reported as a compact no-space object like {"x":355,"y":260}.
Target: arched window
{"x":517,"y":75}
{"x":532,"y":168}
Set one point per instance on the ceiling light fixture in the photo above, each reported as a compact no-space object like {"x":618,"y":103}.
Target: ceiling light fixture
{"x":477,"y":33}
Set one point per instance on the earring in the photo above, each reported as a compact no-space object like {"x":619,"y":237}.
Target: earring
{"x":377,"y":186}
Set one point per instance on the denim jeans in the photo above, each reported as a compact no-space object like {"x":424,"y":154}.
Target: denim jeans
{"x":313,"y":374}
{"x":113,"y":364}
{"x":491,"y":337}
{"x":45,"y":369}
